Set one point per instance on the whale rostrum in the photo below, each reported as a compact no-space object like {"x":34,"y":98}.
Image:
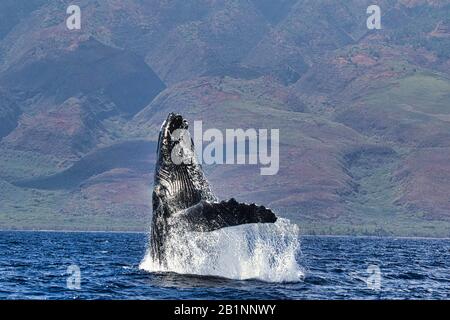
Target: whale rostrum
{"x":182,"y":196}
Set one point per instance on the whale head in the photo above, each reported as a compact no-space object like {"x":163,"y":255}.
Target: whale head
{"x":179,"y":180}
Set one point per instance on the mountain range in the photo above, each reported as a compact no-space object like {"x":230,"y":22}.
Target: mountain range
{"x":364,"y":115}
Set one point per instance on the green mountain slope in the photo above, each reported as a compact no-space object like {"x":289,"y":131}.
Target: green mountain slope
{"x":363,"y":114}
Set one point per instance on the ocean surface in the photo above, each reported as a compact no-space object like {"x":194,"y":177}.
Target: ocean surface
{"x":42,"y":265}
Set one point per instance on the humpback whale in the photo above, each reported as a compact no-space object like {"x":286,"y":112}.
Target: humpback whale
{"x":182,"y":197}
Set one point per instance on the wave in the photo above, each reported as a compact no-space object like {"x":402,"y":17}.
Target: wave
{"x":265,"y":252}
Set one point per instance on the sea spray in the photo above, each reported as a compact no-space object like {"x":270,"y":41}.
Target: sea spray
{"x":253,"y":251}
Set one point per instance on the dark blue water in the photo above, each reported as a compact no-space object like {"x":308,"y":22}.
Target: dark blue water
{"x":33,"y":265}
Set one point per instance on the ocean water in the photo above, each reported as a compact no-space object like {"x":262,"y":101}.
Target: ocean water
{"x":35,"y":265}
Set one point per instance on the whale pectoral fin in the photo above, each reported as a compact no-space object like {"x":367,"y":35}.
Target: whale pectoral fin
{"x":208,"y":216}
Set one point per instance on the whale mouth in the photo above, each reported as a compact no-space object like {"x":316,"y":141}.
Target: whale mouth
{"x":174,"y":122}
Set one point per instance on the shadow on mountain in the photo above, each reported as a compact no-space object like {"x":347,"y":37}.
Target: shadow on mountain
{"x":89,"y":68}
{"x":137,"y":155}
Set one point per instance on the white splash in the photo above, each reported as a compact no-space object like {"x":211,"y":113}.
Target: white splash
{"x":253,"y":251}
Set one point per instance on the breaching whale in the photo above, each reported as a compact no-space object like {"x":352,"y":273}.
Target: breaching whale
{"x":182,"y":197}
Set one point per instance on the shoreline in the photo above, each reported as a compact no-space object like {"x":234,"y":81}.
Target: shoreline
{"x":69,"y":231}
{"x":301,"y":236}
